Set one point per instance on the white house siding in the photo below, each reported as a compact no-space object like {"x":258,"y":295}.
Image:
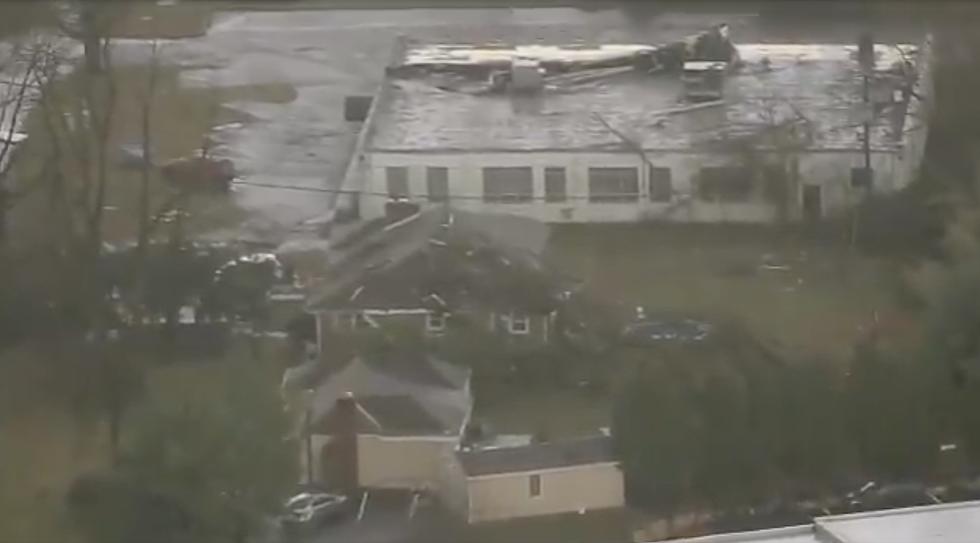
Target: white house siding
{"x":402,"y":462}
{"x":563,"y":490}
{"x":830,"y":169}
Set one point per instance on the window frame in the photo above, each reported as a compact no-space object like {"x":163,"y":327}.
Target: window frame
{"x":524,"y":330}
{"x":432,"y":180}
{"x":615,"y":197}
{"x":554,"y":196}
{"x":663,"y":174}
{"x":534,"y":485}
{"x":508,"y":198}
{"x":862,"y":178}
{"x":717,"y":178}
{"x":432,"y":317}
{"x":389,"y":170}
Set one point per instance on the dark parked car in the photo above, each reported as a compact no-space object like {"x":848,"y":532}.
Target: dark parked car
{"x":308,"y":509}
{"x":873,"y":496}
{"x":655,"y":331}
{"x":962,"y":491}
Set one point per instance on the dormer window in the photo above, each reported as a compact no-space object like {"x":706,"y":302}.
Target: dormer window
{"x":435,"y":323}
{"x":519,"y":324}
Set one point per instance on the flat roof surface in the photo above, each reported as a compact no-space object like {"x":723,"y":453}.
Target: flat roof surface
{"x":436,"y":109}
{"x":947,"y":523}
{"x":557,"y":454}
{"x":944,"y":523}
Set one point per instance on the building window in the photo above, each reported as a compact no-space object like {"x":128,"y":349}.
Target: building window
{"x":661,"y":189}
{"x":507,"y":185}
{"x":435,"y":322}
{"x":397,"y":182}
{"x":861,"y":178}
{"x":437,"y":183}
{"x":613,"y":185}
{"x":776,"y":183}
{"x":350,"y":321}
{"x":534,"y":486}
{"x":725,"y":184}
{"x":519,"y":324}
{"x":554,"y":185}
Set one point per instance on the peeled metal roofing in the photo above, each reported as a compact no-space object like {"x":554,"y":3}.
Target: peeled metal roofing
{"x":819,"y":82}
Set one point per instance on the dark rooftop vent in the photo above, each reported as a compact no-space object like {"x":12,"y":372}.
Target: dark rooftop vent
{"x":866,"y":52}
{"x":526,"y":75}
{"x":356,"y":108}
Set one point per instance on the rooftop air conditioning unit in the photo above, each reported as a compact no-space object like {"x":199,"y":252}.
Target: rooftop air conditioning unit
{"x":704,"y":80}
{"x":526,"y":75}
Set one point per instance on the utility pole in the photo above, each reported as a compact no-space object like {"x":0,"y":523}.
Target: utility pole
{"x":307,"y":436}
{"x":866,"y":61}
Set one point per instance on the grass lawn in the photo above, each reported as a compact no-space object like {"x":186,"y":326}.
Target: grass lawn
{"x":46,"y":441}
{"x":554,"y":412}
{"x":803,"y":298}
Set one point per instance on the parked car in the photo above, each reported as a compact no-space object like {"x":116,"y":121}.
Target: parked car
{"x":200,"y":174}
{"x":962,"y":491}
{"x":312,"y":509}
{"x":873,"y":496}
{"x":654,"y":331}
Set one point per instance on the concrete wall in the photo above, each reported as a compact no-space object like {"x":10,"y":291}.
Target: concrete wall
{"x":830,"y":169}
{"x":402,"y":462}
{"x":497,"y":497}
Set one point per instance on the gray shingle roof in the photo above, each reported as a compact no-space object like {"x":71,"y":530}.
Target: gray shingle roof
{"x":591,"y":450}
{"x":438,"y":387}
{"x":385,"y":415}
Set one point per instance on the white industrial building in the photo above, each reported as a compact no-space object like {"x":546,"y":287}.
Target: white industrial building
{"x":945,"y":523}
{"x":617,"y":133}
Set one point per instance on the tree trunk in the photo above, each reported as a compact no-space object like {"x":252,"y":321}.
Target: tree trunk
{"x":91,"y":38}
{"x":93,"y":54}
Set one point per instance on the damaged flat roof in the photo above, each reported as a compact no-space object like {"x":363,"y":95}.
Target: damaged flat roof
{"x":433,"y":108}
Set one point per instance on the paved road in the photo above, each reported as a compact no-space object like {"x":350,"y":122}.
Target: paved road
{"x":328,"y":54}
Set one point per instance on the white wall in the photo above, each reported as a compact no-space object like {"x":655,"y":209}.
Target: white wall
{"x":830,"y":169}
{"x":563,"y":490}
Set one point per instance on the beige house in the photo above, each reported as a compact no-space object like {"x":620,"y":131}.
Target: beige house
{"x":574,"y":476}
{"x":387,"y":422}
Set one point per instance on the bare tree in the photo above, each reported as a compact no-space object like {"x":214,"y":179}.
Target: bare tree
{"x":90,"y":21}
{"x":18,"y":66}
{"x":769,"y":147}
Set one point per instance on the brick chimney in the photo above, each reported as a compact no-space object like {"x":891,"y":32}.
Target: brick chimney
{"x":346,"y":443}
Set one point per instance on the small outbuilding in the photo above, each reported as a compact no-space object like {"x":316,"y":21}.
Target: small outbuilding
{"x":573,"y":476}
